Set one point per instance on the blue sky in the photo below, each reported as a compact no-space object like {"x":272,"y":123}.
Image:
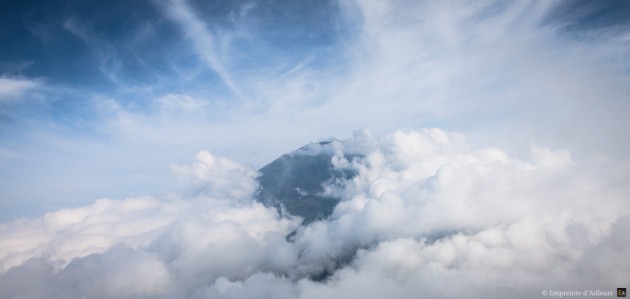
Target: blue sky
{"x":99,"y":98}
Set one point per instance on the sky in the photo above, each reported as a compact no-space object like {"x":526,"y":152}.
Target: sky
{"x":98,"y":98}
{"x":131,"y":132}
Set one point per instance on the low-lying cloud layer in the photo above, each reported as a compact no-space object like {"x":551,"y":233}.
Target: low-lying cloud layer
{"x":426,"y":216}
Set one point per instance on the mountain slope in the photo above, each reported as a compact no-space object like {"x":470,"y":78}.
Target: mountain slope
{"x":295,"y":182}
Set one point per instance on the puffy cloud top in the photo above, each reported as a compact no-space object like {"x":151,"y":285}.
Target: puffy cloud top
{"x":426,"y":215}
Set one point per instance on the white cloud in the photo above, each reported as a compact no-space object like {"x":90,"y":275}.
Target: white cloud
{"x":105,"y":54}
{"x":11,"y":89}
{"x":427,"y":215}
{"x":505,"y":73}
{"x":219,"y":176}
{"x":176,"y":102}
{"x":204,"y":42}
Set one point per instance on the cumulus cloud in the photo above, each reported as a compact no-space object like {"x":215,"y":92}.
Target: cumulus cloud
{"x":426,"y":215}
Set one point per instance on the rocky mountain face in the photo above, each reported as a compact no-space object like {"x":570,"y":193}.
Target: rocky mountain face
{"x":295,"y":182}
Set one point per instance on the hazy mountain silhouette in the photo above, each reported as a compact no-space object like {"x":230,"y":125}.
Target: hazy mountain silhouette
{"x":295,"y":182}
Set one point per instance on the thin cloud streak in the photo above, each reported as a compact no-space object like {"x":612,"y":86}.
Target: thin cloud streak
{"x":13,"y":89}
{"x":203,"y":40}
{"x":105,"y":54}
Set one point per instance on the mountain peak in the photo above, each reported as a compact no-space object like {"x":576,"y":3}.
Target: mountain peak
{"x":296,"y":181}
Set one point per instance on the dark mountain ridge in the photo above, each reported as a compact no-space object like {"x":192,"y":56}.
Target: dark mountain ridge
{"x":295,"y":182}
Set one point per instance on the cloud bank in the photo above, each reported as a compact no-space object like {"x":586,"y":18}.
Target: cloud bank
{"x":427,"y":215}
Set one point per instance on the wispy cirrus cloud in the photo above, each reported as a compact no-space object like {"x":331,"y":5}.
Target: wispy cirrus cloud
{"x":204,"y":41}
{"x":106,"y":55}
{"x":12,"y":89}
